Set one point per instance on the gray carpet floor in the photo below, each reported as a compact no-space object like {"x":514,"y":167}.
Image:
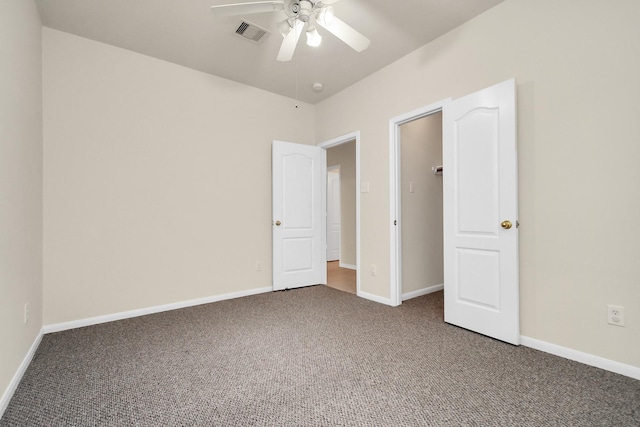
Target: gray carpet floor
{"x":308,"y":357}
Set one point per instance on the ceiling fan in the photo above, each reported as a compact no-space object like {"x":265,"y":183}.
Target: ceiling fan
{"x":299,"y":14}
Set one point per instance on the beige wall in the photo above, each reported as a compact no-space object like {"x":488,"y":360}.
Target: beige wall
{"x":157,"y":180}
{"x":576,"y":67}
{"x":421,"y":210}
{"x":345,"y":156}
{"x":20,"y":183}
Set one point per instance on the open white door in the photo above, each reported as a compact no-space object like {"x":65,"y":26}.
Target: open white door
{"x":481,"y":213}
{"x":333,"y":213}
{"x":299,"y":206}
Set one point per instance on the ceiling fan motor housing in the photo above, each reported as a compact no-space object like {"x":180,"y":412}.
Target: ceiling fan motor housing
{"x":303,"y":9}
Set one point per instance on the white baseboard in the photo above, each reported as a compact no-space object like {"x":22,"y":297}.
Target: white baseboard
{"x":586,"y":358}
{"x":349,"y":266}
{"x":375,"y":298}
{"x":423,"y":291}
{"x":13,"y":385}
{"x":57,"y":327}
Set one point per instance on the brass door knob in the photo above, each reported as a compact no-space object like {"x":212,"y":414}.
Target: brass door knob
{"x":278,"y":223}
{"x":506,"y":224}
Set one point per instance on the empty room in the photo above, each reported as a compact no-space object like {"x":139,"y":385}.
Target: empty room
{"x":167,"y":250}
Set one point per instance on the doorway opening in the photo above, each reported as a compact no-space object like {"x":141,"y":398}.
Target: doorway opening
{"x":417,"y":266}
{"x":421,"y":206}
{"x":343,"y":212}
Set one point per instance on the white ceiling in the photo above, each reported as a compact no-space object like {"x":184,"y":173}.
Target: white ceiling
{"x":185,"y":32}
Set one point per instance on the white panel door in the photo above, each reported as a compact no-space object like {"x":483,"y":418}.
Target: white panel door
{"x":481,"y":213}
{"x":299,"y":206}
{"x":333,"y":214}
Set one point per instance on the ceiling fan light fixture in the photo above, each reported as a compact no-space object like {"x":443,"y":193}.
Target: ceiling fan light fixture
{"x":313,"y":37}
{"x":284,"y":27}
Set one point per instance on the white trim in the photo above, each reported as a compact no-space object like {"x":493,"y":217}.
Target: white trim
{"x":13,"y":385}
{"x":374,"y":298}
{"x":57,"y":327}
{"x":423,"y":291}
{"x":578,"y":356}
{"x":349,"y":266}
{"x":333,"y":143}
{"x":323,"y":223}
{"x":395,"y":264}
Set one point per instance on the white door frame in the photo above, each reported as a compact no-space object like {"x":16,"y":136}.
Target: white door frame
{"x":343,"y":139}
{"x":395,"y":264}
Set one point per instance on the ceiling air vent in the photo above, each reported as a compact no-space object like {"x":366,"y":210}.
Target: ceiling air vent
{"x":252,"y":32}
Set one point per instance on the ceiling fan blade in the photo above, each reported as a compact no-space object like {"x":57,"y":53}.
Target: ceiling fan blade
{"x":346,"y":33}
{"x":290,"y":42}
{"x":234,"y":9}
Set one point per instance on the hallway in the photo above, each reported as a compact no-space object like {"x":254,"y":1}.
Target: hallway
{"x":342,"y":279}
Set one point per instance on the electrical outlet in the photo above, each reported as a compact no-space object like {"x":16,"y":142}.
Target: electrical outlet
{"x":26,"y":313}
{"x":615,"y":315}
{"x":374,"y":270}
{"x":258,"y":266}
